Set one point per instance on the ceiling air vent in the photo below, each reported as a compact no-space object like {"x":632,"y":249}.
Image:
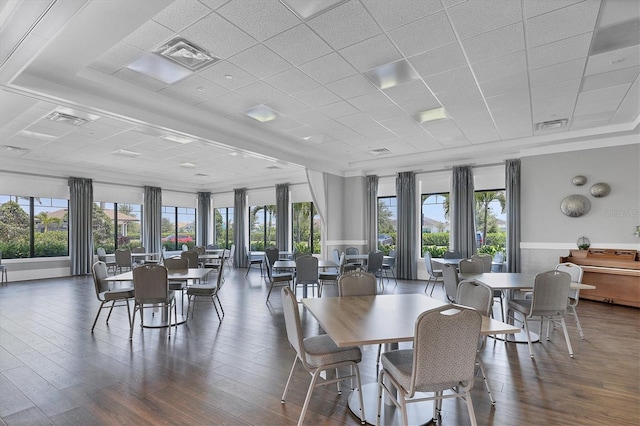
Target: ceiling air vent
{"x":379,"y":151}
{"x":273,"y":168}
{"x":551,"y":125}
{"x":187,"y":54}
{"x":61,"y":117}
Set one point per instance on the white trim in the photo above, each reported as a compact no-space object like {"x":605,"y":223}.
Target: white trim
{"x":347,"y":242}
{"x":572,"y":246}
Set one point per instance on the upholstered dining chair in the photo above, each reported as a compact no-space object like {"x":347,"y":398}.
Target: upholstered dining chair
{"x":389,"y":264}
{"x":206,"y":290}
{"x":435,"y":275}
{"x":117,"y":297}
{"x":3,"y":270}
{"x":193,"y":257}
{"x":450,"y":279}
{"x":330,"y":275}
{"x":178,"y":264}
{"x":307,"y":273}
{"x":123,"y":260}
{"x":442,"y":361}
{"x":151,"y":288}
{"x":374,"y":266}
{"x":576,"y":273}
{"x":102,"y":257}
{"x":452,"y":254}
{"x":254,"y":259}
{"x":276,"y":278}
{"x":272,"y":254}
{"x":486,"y":260}
{"x":317,"y":354}
{"x":471,"y":266}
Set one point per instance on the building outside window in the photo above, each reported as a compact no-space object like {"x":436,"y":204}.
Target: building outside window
{"x":33,"y":227}
{"x":262,"y":227}
{"x":223,"y":227}
{"x":178,"y":227}
{"x":113,"y":230}
{"x":305,"y":228}
{"x":387,"y":223}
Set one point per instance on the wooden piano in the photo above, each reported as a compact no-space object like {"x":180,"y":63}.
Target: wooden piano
{"x":615,"y":273}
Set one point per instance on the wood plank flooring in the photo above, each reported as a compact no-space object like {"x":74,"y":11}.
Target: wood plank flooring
{"x":53,"y":370}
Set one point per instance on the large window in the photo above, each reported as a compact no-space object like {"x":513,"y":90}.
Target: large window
{"x":305,"y":228}
{"x":178,"y":227}
{"x":223,"y":223}
{"x":116,"y":226}
{"x":262,"y":230}
{"x":33,"y":227}
{"x":435,"y":224}
{"x":387,"y":223}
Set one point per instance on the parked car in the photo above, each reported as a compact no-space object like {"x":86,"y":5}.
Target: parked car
{"x":181,"y":238}
{"x":385,"y":240}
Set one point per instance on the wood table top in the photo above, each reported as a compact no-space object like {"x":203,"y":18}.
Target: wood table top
{"x":175,"y":275}
{"x":514,"y":281}
{"x":385,"y":318}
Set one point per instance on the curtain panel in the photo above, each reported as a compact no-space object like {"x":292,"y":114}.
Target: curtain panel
{"x":152,"y":219}
{"x":239,"y":227}
{"x":371,"y":218}
{"x":318,"y":182}
{"x":80,"y":225}
{"x":462,"y":205}
{"x":406,"y":261}
{"x":512,"y":189}
{"x":282,"y":216}
{"x":202,"y":224}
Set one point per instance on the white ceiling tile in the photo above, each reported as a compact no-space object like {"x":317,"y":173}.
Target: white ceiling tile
{"x":516,"y":132}
{"x":370,"y":101}
{"x":507,"y":117}
{"x":288,"y":105}
{"x":338,"y":109}
{"x":611,"y":78}
{"x":375,"y":132}
{"x":506,"y":84}
{"x":331,"y":127}
{"x":553,"y":108}
{"x":149,"y":36}
{"x":213,"y":4}
{"x":344,"y":25}
{"x":585,"y":108}
{"x":423,"y":142}
{"x":227,"y":104}
{"x":509,"y":100}
{"x":260,"y":61}
{"x":351,"y":87}
{"x":140,"y":79}
{"x":194,"y":90}
{"x":398,"y":122}
{"x":628,"y":110}
{"x":513,"y":63}
{"x":559,"y":51}
{"x":393,"y":14}
{"x":425,"y":34}
{"x":614,"y":60}
{"x":412,"y":96}
{"x":606,"y":93}
{"x":564,"y":88}
{"x":218,"y":36}
{"x":298,"y":45}
{"x":292,"y":81}
{"x":469,"y":107}
{"x":616,"y":11}
{"x":371,"y":53}
{"x":181,"y":13}
{"x":590,"y":118}
{"x":261,"y":92}
{"x":116,"y":58}
{"x":442,"y":130}
{"x":562,"y":23}
{"x":218,"y":73}
{"x":494,"y":44}
{"x":328,"y":68}
{"x":459,"y":95}
{"x":533,"y":8}
{"x":386,"y":113}
{"x":283,"y":123}
{"x":309,"y":117}
{"x":317,"y":97}
{"x":457,"y":79}
{"x":410,"y":130}
{"x":557,"y":73}
{"x":260,"y":19}
{"x":439,"y":60}
{"x":476,"y":17}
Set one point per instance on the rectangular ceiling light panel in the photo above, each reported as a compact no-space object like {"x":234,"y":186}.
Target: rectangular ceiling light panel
{"x":262,"y":113}
{"x":389,"y":75}
{"x":306,"y":9}
{"x":431,"y":115}
{"x":160,"y":68}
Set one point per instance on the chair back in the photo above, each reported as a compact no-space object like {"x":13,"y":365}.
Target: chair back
{"x":123,"y":258}
{"x":150,"y":284}
{"x":452,"y":254}
{"x":138,"y":250}
{"x":306,"y":270}
{"x":476,"y":295}
{"x":271,"y":254}
{"x":427,"y":263}
{"x":101,"y":252}
{"x":471,"y":266}
{"x":550,"y":290}
{"x":374,"y":261}
{"x":99,"y":272}
{"x":200,"y":249}
{"x":390,"y":261}
{"x":486,"y":260}
{"x":192,"y":256}
{"x":498,"y":260}
{"x":357,"y":283}
{"x":269,"y":266}
{"x":352,"y":250}
{"x":451,"y":280}
{"x":576,"y":273}
{"x":292,"y":322}
{"x":445,"y":345}
{"x":176,"y":263}
{"x":220,"y":278}
{"x":185,"y":247}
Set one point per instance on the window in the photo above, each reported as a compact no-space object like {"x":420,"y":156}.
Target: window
{"x":305,"y":228}
{"x":262,"y":229}
{"x":178,"y":227}
{"x":33,"y":227}
{"x":435,"y":224}
{"x":387,"y":223}
{"x":223,"y":224}
{"x":112,"y":231}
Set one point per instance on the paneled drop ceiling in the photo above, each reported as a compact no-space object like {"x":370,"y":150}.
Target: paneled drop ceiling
{"x":364,"y":86}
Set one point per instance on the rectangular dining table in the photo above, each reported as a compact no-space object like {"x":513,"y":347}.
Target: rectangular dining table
{"x":291,"y":265}
{"x":382,"y":319}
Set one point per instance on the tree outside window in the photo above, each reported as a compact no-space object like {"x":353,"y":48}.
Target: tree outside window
{"x":262,"y":230}
{"x":387,"y":223}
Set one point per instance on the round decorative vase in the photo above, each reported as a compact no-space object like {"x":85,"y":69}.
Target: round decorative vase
{"x":579,"y":180}
{"x":575,"y":205}
{"x":584,"y":243}
{"x":600,"y":189}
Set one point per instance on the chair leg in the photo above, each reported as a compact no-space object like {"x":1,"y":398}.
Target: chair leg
{"x":566,"y":336}
{"x":472,"y":414}
{"x":484,"y":377}
{"x":526,"y":330}
{"x":307,"y":399}
{"x":97,"y":315}
{"x":133,"y":318}
{"x":359,"y":390}
{"x":578,"y":326}
{"x":286,"y":387}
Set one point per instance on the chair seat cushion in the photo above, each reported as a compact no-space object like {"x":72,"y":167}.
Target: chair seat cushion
{"x":177,"y":285}
{"x":521,"y":305}
{"x":120,"y":293}
{"x":201,"y":290}
{"x":321,"y":350}
{"x":151,"y":300}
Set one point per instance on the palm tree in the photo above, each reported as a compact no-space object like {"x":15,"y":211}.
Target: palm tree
{"x":46,"y":220}
{"x":483,"y":199}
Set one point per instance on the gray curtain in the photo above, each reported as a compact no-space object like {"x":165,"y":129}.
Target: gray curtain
{"x":80,"y":229}
{"x":462,"y":208}
{"x":512,"y":189}
{"x":202,"y":226}
{"x":152,"y":219}
{"x":371,"y":212}
{"x":406,"y":260}
{"x":239,"y":227}
{"x":318,"y":184}
{"x":282,"y":216}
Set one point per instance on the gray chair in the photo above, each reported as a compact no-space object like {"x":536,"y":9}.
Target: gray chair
{"x":232,"y":252}
{"x":317,"y":354}
{"x":452,"y":254}
{"x":330,"y":274}
{"x":254,"y":259}
{"x":271,"y":254}
{"x":389,"y":264}
{"x":138,"y":260}
{"x":276,"y":278}
{"x":151,"y":288}
{"x":479,"y":296}
{"x":3,"y":270}
{"x":174,"y":264}
{"x":123,"y":260}
{"x":442,"y":361}
{"x":486,"y":260}
{"x":192,"y":256}
{"x":206,"y":290}
{"x":435,"y":275}
{"x":576,"y":273}
{"x":548,"y":302}
{"x":353,"y":251}
{"x":450,"y":279}
{"x":374,"y":266}
{"x":471,"y":266}
{"x":117,"y":297}
{"x":102,"y":257}
{"x":497,"y":264}
{"x":306,"y":273}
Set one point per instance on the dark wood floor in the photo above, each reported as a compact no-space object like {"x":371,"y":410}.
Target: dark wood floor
{"x":53,"y":370}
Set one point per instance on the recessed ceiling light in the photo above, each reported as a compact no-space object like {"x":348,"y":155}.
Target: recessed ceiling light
{"x":553,"y":124}
{"x":188,"y":165}
{"x":273,"y":168}
{"x":389,"y":75}
{"x":306,"y":9}
{"x":126,"y":153}
{"x":177,"y":139}
{"x":16,"y":149}
{"x":160,"y":68}
{"x":36,"y":135}
{"x":262,"y":113}
{"x":228,"y":77}
{"x":201,"y":175}
{"x":60,"y":117}
{"x":431,"y":115}
{"x":379,"y":151}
